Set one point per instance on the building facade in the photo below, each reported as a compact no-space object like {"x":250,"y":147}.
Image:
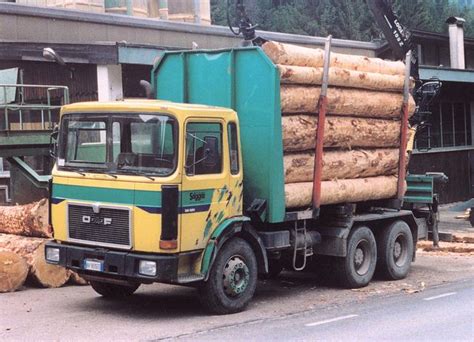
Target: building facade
{"x":108,"y":54}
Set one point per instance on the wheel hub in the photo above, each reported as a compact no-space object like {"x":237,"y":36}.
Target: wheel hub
{"x":359,"y":257}
{"x":400,"y":254}
{"x":362,"y":257}
{"x":397,"y":250}
{"x":236,"y":276}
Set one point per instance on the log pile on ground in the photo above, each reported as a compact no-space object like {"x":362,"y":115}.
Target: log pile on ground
{"x":24,"y":231}
{"x":362,"y":127}
{"x":26,"y":220}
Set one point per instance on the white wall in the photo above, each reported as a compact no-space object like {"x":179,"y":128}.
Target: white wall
{"x":109,"y":82}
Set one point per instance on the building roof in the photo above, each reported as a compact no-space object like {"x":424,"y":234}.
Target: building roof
{"x":428,"y":35}
{"x":70,"y":26}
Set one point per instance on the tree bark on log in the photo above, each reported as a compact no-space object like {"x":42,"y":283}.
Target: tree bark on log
{"x":342,"y":191}
{"x":299,"y":167}
{"x":291,"y":74}
{"x":26,"y":220}
{"x":289,"y":54}
{"x":13,"y":271}
{"x":32,"y":249}
{"x":299,"y":132}
{"x":347,"y":102}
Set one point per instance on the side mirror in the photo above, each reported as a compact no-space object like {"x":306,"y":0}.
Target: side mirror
{"x":211,"y":153}
{"x":53,"y":142}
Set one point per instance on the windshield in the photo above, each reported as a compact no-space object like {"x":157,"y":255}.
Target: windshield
{"x":123,"y":144}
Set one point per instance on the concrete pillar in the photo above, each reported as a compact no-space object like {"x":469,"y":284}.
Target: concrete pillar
{"x":456,"y":42}
{"x":109,"y":82}
{"x":163,"y":9}
{"x":197,"y":11}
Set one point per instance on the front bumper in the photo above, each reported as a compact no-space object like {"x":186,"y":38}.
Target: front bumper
{"x":119,"y":265}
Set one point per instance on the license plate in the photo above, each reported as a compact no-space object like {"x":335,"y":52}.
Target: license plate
{"x":93,"y":265}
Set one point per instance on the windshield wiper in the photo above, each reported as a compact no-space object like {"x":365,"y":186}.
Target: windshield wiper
{"x":140,"y":173}
{"x":110,"y":174}
{"x":137,"y":173}
{"x":79,"y":172}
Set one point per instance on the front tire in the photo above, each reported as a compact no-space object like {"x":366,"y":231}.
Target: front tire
{"x":113,"y":291}
{"x":358,"y":267}
{"x":232,"y":279}
{"x":395,"y":250}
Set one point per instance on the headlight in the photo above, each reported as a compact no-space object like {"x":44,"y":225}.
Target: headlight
{"x":147,"y":268}
{"x":52,"y":254}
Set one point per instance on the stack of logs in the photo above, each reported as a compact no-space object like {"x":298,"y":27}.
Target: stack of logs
{"x":24,"y":230}
{"x":362,"y":128}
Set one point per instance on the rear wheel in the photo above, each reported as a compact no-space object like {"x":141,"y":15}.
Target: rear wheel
{"x":116,"y":291}
{"x":232,"y":279}
{"x":395,"y":251}
{"x":358,"y":267}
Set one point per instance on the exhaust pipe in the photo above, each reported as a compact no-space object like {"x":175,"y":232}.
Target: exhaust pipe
{"x":148,"y":89}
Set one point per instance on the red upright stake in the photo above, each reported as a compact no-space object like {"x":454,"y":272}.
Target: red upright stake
{"x":322,"y":108}
{"x":318,"y":155}
{"x":402,"y":166}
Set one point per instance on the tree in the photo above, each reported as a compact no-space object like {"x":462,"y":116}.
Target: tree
{"x":345,"y":19}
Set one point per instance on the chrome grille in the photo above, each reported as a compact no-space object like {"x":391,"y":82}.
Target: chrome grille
{"x":108,"y":226}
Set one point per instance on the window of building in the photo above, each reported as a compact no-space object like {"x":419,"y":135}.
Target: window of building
{"x":450,"y":127}
{"x":203,"y":148}
{"x":233,"y":149}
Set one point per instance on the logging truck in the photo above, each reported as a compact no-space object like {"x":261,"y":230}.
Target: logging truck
{"x":217,"y":180}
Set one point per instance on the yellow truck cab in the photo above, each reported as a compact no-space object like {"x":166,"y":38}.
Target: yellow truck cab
{"x":150,"y":180}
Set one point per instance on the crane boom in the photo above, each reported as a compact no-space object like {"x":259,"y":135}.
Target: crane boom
{"x":398,"y":37}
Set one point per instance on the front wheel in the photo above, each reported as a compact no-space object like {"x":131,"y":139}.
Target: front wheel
{"x":232,"y":279}
{"x":114,"y":291}
{"x":395,"y":250}
{"x":358,"y":267}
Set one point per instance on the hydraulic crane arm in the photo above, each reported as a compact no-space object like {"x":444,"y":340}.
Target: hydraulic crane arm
{"x":398,"y":37}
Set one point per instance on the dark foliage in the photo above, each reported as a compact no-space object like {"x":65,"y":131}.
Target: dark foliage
{"x":345,"y":19}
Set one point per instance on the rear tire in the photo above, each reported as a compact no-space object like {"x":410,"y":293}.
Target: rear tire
{"x":114,"y":291}
{"x":395,"y":251}
{"x":232,"y":279}
{"x":358,"y":267}
{"x":471,"y":217}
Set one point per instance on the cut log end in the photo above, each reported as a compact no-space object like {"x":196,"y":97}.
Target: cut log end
{"x":32,"y":250}
{"x":45,"y":275}
{"x":13,"y":271}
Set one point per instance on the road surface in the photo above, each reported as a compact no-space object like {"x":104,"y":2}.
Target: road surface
{"x":75,"y":313}
{"x":445,"y":313}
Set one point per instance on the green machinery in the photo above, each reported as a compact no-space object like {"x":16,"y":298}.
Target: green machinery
{"x":421,"y":198}
{"x":25,"y":129}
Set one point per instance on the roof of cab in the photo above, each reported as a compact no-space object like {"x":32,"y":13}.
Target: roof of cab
{"x":138,"y":105}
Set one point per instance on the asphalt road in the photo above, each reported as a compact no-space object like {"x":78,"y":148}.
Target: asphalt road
{"x":280,"y":310}
{"x":445,"y":313}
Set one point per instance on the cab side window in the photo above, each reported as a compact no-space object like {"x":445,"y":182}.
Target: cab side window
{"x":203,"y":148}
{"x":233,"y":148}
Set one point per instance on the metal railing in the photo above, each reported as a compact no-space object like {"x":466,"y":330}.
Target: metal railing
{"x":21,"y":106}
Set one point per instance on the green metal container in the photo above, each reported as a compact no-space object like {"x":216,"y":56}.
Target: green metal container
{"x":246,"y":80}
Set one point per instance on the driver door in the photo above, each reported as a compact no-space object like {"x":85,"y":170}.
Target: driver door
{"x":203,"y":196}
